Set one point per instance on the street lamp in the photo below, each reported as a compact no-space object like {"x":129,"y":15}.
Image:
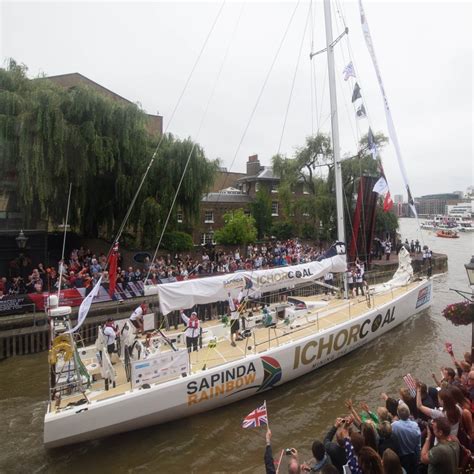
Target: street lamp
{"x":470,"y":275}
{"x":21,"y":240}
{"x":470,"y":272}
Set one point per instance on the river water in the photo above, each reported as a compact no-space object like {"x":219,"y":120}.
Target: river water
{"x":299,"y":411}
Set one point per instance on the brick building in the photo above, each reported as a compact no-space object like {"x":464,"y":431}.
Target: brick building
{"x":232,"y":191}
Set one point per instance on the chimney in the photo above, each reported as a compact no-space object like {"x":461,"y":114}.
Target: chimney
{"x":253,"y":166}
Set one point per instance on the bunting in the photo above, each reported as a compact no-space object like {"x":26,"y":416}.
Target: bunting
{"x":387,"y":202}
{"x":360,"y":112}
{"x":349,"y":71}
{"x":371,"y":144}
{"x":381,"y":187}
{"x":86,"y":305}
{"x":356,"y":94}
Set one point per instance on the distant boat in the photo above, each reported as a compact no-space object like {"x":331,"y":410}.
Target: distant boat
{"x":447,"y":234}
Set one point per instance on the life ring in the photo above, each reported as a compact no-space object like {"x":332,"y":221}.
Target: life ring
{"x":61,"y":345}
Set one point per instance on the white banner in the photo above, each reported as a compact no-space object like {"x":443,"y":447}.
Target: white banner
{"x":159,"y":367}
{"x":86,"y":305}
{"x":186,"y":294}
{"x":388,"y":114}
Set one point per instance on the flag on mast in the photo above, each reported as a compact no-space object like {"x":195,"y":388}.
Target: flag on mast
{"x":349,"y":71}
{"x":387,"y":202}
{"x":381,"y":187}
{"x":356,"y":93}
{"x":360,"y":112}
{"x":86,"y":305}
{"x":371,"y":144}
{"x":256,"y":418}
{"x":113,"y":261}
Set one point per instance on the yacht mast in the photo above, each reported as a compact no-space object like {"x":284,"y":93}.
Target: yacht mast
{"x":335,"y":130}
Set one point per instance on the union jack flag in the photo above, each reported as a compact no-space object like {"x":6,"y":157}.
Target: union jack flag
{"x":257,"y":418}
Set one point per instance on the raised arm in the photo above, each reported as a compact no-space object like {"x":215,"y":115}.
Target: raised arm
{"x":419,"y":405}
{"x":350,"y":407}
{"x":184,"y":317}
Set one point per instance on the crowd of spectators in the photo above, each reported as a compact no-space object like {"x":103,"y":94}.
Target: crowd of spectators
{"x":425,"y":429}
{"x":83,"y":268}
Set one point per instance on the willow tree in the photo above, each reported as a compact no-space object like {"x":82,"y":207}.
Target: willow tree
{"x":166,"y":174}
{"x":51,"y":136}
{"x":55,"y":136}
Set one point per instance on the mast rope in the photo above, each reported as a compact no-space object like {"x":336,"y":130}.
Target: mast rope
{"x":294,"y":79}
{"x":178,"y":102}
{"x":211,"y":96}
{"x":252,"y":113}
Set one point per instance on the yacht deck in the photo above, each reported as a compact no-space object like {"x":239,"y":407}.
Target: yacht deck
{"x":337,"y":311}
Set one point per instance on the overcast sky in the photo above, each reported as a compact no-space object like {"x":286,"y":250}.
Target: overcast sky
{"x":144,"y":51}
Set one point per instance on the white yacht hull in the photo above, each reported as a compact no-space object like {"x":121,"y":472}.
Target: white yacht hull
{"x":210,"y":389}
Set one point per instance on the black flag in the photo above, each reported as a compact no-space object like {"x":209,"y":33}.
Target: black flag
{"x":356,"y":94}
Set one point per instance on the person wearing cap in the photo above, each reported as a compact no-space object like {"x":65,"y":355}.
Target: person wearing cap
{"x":136,"y":317}
{"x":110,"y":332}
{"x":192,"y":330}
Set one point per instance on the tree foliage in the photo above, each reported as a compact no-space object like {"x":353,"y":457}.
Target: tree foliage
{"x":385,"y":222}
{"x":51,"y":136}
{"x":262,"y":212}
{"x":177,"y":241}
{"x":318,"y":203}
{"x":239,"y":229}
{"x":283,"y":230}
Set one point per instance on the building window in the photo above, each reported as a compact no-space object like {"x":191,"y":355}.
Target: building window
{"x":179,"y":217}
{"x":257,"y":186}
{"x":207,"y":238}
{"x":208,"y":217}
{"x":274,"y":188}
{"x":274,"y":208}
{"x":244,"y":187}
{"x":247,"y":212}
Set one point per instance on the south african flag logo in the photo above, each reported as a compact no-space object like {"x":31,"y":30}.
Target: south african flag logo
{"x":271,"y":373}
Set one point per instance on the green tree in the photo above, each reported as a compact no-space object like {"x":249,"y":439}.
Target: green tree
{"x":283,"y":230}
{"x":239,"y":229}
{"x":301,"y":170}
{"x":262,"y":213}
{"x":177,"y":241}
{"x":385,"y":222}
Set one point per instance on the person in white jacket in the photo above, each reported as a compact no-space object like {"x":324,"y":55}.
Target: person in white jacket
{"x":193,"y":328}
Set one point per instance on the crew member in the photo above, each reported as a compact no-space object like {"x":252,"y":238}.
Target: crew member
{"x":192,"y":330}
{"x":359,"y":281}
{"x":234,"y":321}
{"x":350,"y":281}
{"x":110,"y":332}
{"x":136,"y":317}
{"x":329,"y":280}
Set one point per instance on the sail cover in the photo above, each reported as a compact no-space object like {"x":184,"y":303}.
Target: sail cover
{"x":185,"y":294}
